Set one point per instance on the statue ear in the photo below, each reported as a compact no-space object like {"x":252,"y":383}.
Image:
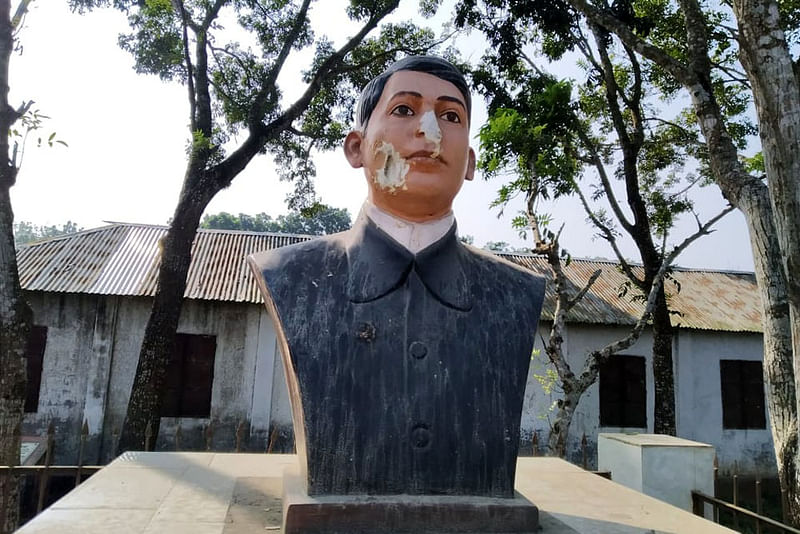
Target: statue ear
{"x":352,"y":149}
{"x":470,"y":165}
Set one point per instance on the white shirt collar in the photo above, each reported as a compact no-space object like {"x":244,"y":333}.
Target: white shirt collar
{"x":414,"y":236}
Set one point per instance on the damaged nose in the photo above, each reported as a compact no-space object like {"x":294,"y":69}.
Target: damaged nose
{"x":429,"y":127}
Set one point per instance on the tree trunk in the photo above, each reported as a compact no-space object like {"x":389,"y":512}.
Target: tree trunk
{"x":779,"y":374}
{"x":15,"y":315}
{"x":765,"y":57}
{"x":663,"y":371}
{"x":559,"y":430}
{"x":15,"y":319}
{"x":158,"y":344}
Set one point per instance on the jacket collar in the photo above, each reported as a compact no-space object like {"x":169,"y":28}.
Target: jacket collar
{"x":378,"y":265}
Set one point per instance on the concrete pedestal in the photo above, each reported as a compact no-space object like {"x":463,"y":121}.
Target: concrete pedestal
{"x":225,"y":493}
{"x":664,"y":467}
{"x":386,"y":514}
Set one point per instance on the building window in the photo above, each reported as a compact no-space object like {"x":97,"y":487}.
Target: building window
{"x":34,"y":355}
{"x":623,"y":392}
{"x":742,"y":394}
{"x":190,"y":376}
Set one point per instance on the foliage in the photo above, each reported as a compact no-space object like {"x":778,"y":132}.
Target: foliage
{"x":505,"y":248}
{"x":534,"y":137}
{"x":548,"y":137}
{"x":27,"y":232}
{"x":246,"y":44}
{"x":324,"y":220}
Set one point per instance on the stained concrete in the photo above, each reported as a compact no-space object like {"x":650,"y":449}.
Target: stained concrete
{"x":225,"y":493}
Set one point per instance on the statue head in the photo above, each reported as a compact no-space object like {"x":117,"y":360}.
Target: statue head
{"x":412,"y":138}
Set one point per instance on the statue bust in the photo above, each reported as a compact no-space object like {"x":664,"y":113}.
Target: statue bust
{"x":406,"y":352}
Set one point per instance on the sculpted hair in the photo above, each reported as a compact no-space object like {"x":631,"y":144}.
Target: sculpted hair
{"x":433,"y":65}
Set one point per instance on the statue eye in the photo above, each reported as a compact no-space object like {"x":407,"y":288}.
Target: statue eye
{"x":403,"y":111}
{"x":451,"y":116}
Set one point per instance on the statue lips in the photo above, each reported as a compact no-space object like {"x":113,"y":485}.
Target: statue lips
{"x":423,"y":160}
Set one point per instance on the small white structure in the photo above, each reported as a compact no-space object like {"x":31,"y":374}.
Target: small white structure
{"x":664,"y":467}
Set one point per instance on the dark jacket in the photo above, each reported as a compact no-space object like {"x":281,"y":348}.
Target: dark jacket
{"x":406,"y":373}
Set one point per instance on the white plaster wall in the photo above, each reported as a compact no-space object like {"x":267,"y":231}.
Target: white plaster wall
{"x":90,"y":360}
{"x":700,"y":400}
{"x":237,"y":328}
{"x":539,"y":410}
{"x":69,"y":372}
{"x":281,"y":409}
{"x":131,"y":320}
{"x":696,"y":356}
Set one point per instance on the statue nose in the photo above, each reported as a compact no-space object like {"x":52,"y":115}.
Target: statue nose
{"x":429,"y":127}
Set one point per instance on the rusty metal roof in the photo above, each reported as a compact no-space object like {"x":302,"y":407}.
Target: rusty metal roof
{"x":700,"y":299}
{"x":122,"y":259}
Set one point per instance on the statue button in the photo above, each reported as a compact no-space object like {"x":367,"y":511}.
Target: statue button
{"x":418,"y":350}
{"x":366,"y":332}
{"x":420,"y":436}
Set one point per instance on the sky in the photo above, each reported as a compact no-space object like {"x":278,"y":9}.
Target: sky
{"x":126,"y":136}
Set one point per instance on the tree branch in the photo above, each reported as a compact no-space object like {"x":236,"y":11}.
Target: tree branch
{"x":580,"y":294}
{"x":595,"y":358}
{"x":268,"y":85}
{"x":733,"y":74}
{"x":19,"y":14}
{"x":179,"y":7}
{"x":643,"y":47}
{"x":212,"y":14}
{"x":261,"y":133}
{"x":636,"y":99}
{"x":239,"y":60}
{"x":612,"y":91}
{"x":601,"y":171}
{"x":608,"y":235}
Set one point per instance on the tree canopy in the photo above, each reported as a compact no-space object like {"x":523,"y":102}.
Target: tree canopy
{"x":606,"y":137}
{"x":27,"y":232}
{"x":321,"y":221}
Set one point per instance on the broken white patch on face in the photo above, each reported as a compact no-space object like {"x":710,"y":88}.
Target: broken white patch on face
{"x":429,"y":126}
{"x":392,"y":174}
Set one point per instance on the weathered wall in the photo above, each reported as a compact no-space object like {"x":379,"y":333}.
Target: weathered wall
{"x":700,"y":417}
{"x":578,"y":341}
{"x":90,"y":361}
{"x":78,"y":326}
{"x":93,"y":345}
{"x":696,"y":356}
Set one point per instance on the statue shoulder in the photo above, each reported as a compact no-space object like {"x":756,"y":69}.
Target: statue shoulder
{"x":290,"y":265}
{"x":506,"y":273}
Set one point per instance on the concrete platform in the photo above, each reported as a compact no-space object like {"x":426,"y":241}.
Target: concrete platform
{"x":225,"y":493}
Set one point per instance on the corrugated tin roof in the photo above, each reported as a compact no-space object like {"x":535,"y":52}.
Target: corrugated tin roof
{"x":701,"y":299}
{"x":122,"y":259}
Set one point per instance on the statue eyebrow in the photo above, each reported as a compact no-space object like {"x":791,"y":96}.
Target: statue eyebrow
{"x":406,"y":93}
{"x":452,"y":99}
{"x":445,"y":98}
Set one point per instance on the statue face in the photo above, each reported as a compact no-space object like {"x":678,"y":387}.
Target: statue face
{"x":415,"y":148}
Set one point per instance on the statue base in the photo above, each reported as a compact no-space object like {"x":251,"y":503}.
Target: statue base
{"x":418,"y":514}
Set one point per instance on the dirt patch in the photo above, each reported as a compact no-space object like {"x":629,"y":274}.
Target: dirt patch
{"x":255,"y":506}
